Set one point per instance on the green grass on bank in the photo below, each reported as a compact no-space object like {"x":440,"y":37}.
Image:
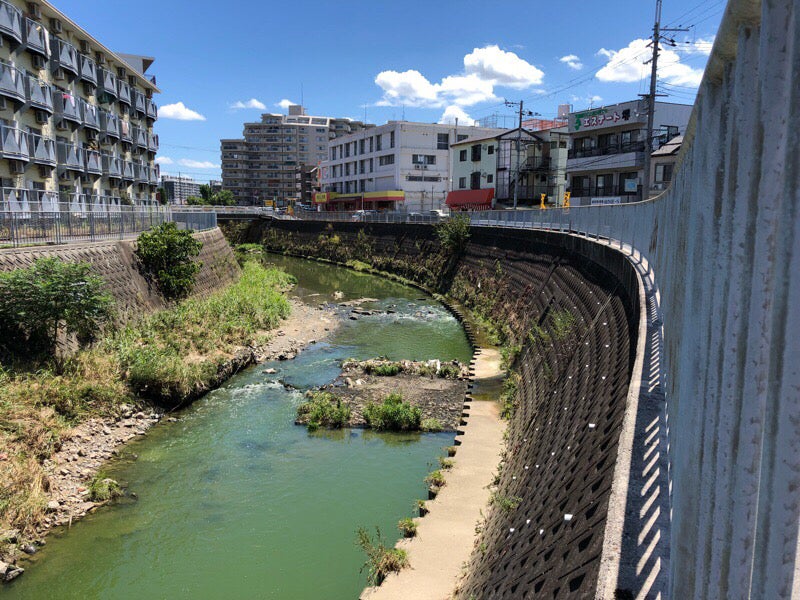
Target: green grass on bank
{"x":164,"y":356}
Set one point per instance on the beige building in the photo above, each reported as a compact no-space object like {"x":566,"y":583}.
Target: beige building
{"x":76,"y":119}
{"x":277,"y":158}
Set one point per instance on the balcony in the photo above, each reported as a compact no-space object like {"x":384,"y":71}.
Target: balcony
{"x":35,"y":38}
{"x":63,"y":55}
{"x":152,"y":142}
{"x":112,"y":166}
{"x":91,"y":116}
{"x":12,"y":83}
{"x":605,"y":191}
{"x":127,"y":170}
{"x":43,"y":150}
{"x":124,"y":92}
{"x":139,"y":175}
{"x":606,"y":150}
{"x":536,"y":163}
{"x":109,"y":125}
{"x":67,"y":107}
{"x":152,"y":110}
{"x":40,"y":94}
{"x":139,"y":137}
{"x":14,"y":143}
{"x":106,"y":86}
{"x":139,"y":102}
{"x":154,"y":174}
{"x":10,"y":21}
{"x":88,"y":69}
{"x":70,"y":157}
{"x":93,"y":162}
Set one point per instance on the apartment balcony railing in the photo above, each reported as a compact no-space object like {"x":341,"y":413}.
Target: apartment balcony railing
{"x":112,"y":166}
{"x":43,"y":150}
{"x":127,"y":170}
{"x":124,"y":92}
{"x":91,"y":116}
{"x":14,"y":143}
{"x":12,"y":82}
{"x":106,"y":85}
{"x":10,"y":21}
{"x":603,"y":191}
{"x":154,"y":174}
{"x":109,"y":124}
{"x":152,"y":110}
{"x":536,"y":163}
{"x":67,"y":107}
{"x":71,"y":157}
{"x":64,"y":55}
{"x":139,"y":137}
{"x":40,"y":94}
{"x":124,"y":131}
{"x":94,"y":162}
{"x":88,"y":69}
{"x":139,"y":102}
{"x":35,"y":37}
{"x":139,"y":174}
{"x":607,"y":150}
{"x":152,"y":142}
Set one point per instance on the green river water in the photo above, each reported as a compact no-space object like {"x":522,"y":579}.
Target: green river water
{"x":235,"y":501}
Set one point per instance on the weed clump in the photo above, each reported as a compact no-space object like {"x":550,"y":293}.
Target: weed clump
{"x":380,"y":560}
{"x":393,"y":415}
{"x":432,"y":425}
{"x":383,"y":370}
{"x":408,"y":527}
{"x":324,"y":410}
{"x":435,"y":479}
{"x":503,"y":502}
{"x":103,"y":489}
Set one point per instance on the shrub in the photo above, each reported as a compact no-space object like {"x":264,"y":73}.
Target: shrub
{"x":449,"y":371}
{"x":408,"y":527}
{"x":324,"y":410}
{"x":383,"y":370}
{"x":445,"y":463}
{"x":435,"y":479}
{"x":248,"y":252}
{"x":563,"y":322}
{"x":102,"y":488}
{"x":431,"y":425}
{"x":380,"y":560}
{"x":454,"y":233}
{"x":509,"y":394}
{"x":504,"y":503}
{"x":50,"y":296}
{"x":166,"y":254}
{"x":393,"y":415}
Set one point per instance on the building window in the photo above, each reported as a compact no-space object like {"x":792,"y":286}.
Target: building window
{"x":490,"y":149}
{"x":475,"y":180}
{"x":664,"y":172}
{"x":490,"y":178}
{"x":387,"y":159}
{"x":378,"y":142}
{"x":476,"y":152}
{"x":461,"y":136}
{"x":580,"y":185}
{"x":371,"y":144}
{"x":442,"y":141}
{"x":362,"y":146}
{"x":391,"y":139}
{"x":462,"y":181}
{"x":423,"y":159}
{"x":462,"y":156}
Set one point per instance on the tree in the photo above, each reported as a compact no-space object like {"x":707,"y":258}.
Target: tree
{"x":50,"y":297}
{"x":166,"y":254}
{"x":207,"y":198}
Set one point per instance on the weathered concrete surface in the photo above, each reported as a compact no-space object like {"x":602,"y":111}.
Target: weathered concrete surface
{"x":445,"y":536}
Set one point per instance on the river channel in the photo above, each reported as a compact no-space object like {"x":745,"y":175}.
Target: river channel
{"x":234,"y":500}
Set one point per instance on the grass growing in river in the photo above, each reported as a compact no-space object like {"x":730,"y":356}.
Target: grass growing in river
{"x":381,"y":560}
{"x":324,"y":410}
{"x":408,"y":527}
{"x":393,"y":415}
{"x":103,"y":488}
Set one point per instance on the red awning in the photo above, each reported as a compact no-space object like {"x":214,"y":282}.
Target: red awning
{"x":471,"y":199}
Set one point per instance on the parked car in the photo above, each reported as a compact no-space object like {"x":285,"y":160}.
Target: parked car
{"x":439,"y":213}
{"x":361,"y":215}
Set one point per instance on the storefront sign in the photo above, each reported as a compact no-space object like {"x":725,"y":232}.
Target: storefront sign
{"x":606,"y":200}
{"x":599,"y":117}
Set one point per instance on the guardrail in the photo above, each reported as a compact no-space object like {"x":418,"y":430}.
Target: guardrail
{"x":62,"y":222}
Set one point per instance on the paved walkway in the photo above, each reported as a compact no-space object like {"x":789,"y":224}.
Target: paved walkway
{"x":446,"y":535}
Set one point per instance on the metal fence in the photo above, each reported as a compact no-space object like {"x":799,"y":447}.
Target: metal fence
{"x":62,"y":222}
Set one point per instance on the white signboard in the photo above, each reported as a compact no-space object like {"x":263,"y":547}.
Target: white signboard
{"x":606,"y":200}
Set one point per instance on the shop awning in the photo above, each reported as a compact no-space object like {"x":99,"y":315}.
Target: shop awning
{"x":470,"y":199}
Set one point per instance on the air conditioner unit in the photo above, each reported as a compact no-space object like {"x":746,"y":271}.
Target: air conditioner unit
{"x":17,"y":167}
{"x":88,"y":88}
{"x":62,"y":125}
{"x":34,"y":10}
{"x":64,"y":176}
{"x":42,"y":117}
{"x":85,"y":47}
{"x":100,"y":58}
{"x":3,"y":104}
{"x":121,"y":72}
{"x":88,"y":179}
{"x":55,"y":25}
{"x":39,"y":61}
{"x":91,"y":135}
{"x":58,"y":74}
{"x":132,"y":81}
{"x":44,"y":171}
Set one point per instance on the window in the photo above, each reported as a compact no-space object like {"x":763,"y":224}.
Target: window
{"x":476,"y":153}
{"x":490,"y":149}
{"x":580,"y":185}
{"x":362,"y":146}
{"x":442,"y":141}
{"x":562,"y":144}
{"x":391,"y":139}
{"x":461,"y":136}
{"x":386,"y":159}
{"x":462,"y":181}
{"x":378,"y":142}
{"x":423,"y":159}
{"x":347,"y":149}
{"x":490,"y":178}
{"x":462,"y":156}
{"x":475,"y":180}
{"x":371,"y":145}
{"x":664,"y":172}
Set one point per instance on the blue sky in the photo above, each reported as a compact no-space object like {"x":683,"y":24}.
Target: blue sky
{"x":430,"y":61}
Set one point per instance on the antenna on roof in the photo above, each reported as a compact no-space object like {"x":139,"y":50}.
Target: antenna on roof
{"x":302,"y":101}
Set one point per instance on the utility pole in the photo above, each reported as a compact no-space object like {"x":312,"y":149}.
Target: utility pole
{"x":518,"y":142}
{"x":651,"y":97}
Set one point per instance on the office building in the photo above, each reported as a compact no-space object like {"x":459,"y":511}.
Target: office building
{"x":76,"y":118}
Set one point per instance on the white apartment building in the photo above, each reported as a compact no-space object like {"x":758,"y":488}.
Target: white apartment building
{"x":179,"y":188}
{"x":400,"y":156}
{"x":76,"y":119}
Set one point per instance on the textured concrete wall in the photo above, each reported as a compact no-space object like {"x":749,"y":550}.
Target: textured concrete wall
{"x":114,"y":262}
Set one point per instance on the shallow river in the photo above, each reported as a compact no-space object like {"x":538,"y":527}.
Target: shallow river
{"x":235,"y":501}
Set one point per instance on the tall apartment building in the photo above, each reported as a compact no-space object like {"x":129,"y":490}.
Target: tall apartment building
{"x":400,"y":156}
{"x":608,"y":145}
{"x":179,"y":188}
{"x":275,"y":160}
{"x":76,"y":119}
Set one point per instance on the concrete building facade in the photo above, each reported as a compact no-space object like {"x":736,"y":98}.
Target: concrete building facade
{"x":76,"y":119}
{"x":179,"y":188}
{"x":606,"y":159}
{"x":275,"y":158}
{"x":399,"y":156}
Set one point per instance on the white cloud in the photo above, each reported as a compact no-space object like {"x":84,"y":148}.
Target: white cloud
{"x":484,"y":69}
{"x":627,"y":65}
{"x":252,"y":103}
{"x":572,"y":61}
{"x":180,"y":112}
{"x":700,"y":46}
{"x":197,"y":164}
{"x":164,"y":160}
{"x":453,"y":112}
{"x":502,"y":68}
{"x":285,"y":104}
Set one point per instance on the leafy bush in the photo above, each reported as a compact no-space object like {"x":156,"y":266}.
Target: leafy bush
{"x":408,"y":527}
{"x":50,"y":296}
{"x":384,"y":370}
{"x":454,"y":233}
{"x":431,"y":425}
{"x":449,"y":371}
{"x":508,"y":397}
{"x":380,"y":560}
{"x":166,"y":254}
{"x":393,"y":415}
{"x":324,"y":410}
